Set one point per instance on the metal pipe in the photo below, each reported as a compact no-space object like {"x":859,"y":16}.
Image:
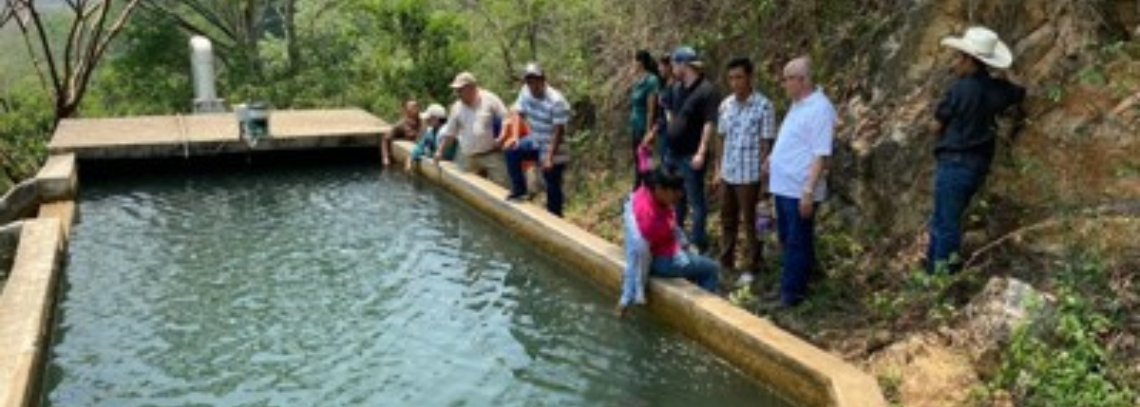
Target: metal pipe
{"x":202,"y":70}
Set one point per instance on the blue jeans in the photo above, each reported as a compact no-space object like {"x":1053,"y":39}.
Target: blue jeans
{"x":797,"y":236}
{"x":529,"y":150}
{"x":701,"y":270}
{"x":955,"y":183}
{"x":695,"y":197}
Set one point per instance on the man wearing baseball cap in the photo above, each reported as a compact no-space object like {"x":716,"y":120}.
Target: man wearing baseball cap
{"x":966,"y":127}
{"x":547,"y":113}
{"x":472,"y":121}
{"x":691,"y":127}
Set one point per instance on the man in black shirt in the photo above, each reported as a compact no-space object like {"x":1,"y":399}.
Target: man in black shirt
{"x":966,"y":124}
{"x":691,"y":126}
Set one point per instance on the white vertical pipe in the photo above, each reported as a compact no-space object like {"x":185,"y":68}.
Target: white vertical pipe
{"x":202,"y":68}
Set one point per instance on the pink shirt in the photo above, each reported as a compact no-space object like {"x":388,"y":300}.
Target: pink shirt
{"x":656,"y":223}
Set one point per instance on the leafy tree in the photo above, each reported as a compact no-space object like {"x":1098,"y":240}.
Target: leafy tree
{"x":66,"y":64}
{"x":147,"y":73}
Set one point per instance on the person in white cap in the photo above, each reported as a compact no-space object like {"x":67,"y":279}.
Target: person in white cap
{"x":966,"y":128}
{"x":547,"y":113}
{"x":474,"y":121}
{"x":434,"y":117}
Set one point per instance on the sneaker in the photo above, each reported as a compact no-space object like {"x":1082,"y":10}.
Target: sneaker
{"x":745,"y":279}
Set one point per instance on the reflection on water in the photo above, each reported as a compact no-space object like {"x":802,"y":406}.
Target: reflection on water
{"x":342,"y":287}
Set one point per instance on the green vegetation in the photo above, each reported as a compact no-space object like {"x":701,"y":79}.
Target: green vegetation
{"x":373,"y":54}
{"x":1062,"y":359}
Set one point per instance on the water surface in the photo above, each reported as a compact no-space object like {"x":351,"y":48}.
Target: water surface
{"x":341,"y":286}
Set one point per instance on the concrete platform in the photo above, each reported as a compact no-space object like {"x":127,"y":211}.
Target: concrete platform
{"x":211,"y":134}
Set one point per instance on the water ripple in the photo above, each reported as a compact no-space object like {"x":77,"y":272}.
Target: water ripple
{"x":336,"y":286}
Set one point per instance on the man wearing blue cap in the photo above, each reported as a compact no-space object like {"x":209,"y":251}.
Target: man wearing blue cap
{"x":693,"y":120}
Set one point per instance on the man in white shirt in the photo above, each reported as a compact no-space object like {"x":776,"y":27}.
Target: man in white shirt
{"x":796,"y":168}
{"x":473,"y":121}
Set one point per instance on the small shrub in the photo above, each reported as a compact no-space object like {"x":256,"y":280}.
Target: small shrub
{"x":1062,"y":361}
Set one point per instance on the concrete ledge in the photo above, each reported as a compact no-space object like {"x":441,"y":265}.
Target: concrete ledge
{"x":25,"y":311}
{"x":213,"y":134}
{"x":794,"y":369}
{"x":64,"y":211}
{"x":58,"y":179}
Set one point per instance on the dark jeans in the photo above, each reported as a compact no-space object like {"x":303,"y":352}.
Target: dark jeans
{"x":738,"y":206}
{"x":695,"y":197}
{"x":955,"y":183}
{"x":530,"y":151}
{"x":797,"y":235}
{"x":701,"y":270}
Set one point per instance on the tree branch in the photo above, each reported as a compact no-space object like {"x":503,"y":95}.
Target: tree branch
{"x":75,"y":36}
{"x":36,"y":63}
{"x":30,"y":6}
{"x":83,"y":60}
{"x":211,"y":18}
{"x":1127,"y":211}
{"x":504,"y":47}
{"x":6,"y":13}
{"x":99,"y":45}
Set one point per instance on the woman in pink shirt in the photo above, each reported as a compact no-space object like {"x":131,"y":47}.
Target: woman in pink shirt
{"x":653,"y":206}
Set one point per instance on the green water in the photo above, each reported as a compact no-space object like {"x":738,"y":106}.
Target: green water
{"x":342,"y":286}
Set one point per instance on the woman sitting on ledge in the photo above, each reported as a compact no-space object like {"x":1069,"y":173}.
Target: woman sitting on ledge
{"x":652,"y":207}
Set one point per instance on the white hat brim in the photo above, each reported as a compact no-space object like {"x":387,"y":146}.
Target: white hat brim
{"x":1001,"y":58}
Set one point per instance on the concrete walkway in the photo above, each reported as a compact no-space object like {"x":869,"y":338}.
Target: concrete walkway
{"x":194,"y":135}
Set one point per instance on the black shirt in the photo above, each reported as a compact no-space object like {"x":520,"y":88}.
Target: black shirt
{"x":969,"y":113}
{"x":692,"y":108}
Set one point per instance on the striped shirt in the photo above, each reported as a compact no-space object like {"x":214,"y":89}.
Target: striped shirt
{"x":744,"y":125}
{"x":543,"y":115}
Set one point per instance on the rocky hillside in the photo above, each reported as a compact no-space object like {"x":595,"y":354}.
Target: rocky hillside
{"x":1056,"y":223}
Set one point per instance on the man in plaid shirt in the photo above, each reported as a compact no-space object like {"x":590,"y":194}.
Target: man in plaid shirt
{"x":747,"y":124}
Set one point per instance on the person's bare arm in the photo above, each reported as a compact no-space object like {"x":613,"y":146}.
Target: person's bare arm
{"x":807,"y":198}
{"x":385,"y":155}
{"x":702,"y":149}
{"x":650,"y":135}
{"x":651,"y":114}
{"x":447,"y":136}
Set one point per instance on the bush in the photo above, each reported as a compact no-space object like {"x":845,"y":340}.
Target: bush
{"x":1062,"y":361}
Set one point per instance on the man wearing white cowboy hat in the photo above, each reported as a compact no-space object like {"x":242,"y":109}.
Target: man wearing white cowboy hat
{"x":966,"y":127}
